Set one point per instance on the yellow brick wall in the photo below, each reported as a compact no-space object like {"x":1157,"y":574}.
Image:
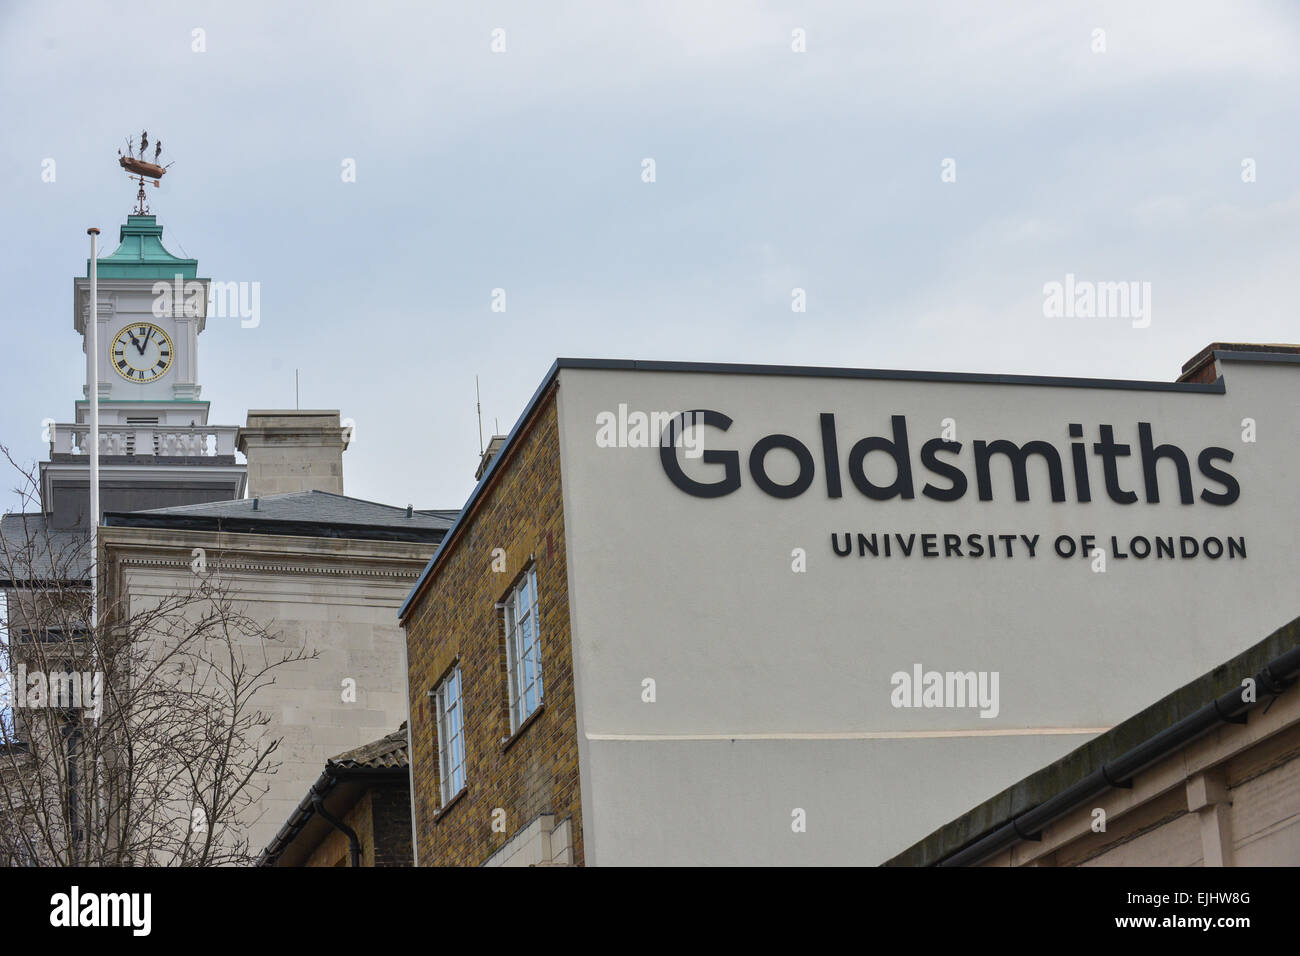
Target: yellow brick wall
{"x":333,"y":850}
{"x":455,"y":618}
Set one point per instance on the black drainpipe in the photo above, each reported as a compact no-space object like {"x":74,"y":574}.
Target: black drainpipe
{"x":1276,"y":676}
{"x":354,"y":845}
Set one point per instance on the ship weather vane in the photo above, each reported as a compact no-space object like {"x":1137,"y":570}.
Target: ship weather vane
{"x":139,"y":169}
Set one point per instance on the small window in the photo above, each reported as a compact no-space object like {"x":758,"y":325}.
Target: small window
{"x":451,"y":735}
{"x":523,"y":649}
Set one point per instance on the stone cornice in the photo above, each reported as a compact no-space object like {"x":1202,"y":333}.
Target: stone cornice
{"x":144,"y":548}
{"x":213,"y":566}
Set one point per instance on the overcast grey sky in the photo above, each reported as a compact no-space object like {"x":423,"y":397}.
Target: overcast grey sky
{"x":522,"y":170}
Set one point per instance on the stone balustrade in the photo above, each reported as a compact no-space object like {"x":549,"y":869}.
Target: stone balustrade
{"x":162,"y":440}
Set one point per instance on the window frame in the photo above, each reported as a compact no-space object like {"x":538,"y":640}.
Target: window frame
{"x":522,"y":647}
{"x":444,"y":716}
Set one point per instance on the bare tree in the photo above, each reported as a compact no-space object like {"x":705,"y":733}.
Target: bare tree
{"x":135,"y":740}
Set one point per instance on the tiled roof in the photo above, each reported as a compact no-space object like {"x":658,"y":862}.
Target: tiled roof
{"x":385,"y":753}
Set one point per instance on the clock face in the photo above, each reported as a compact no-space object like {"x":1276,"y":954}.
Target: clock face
{"x":142,"y":353}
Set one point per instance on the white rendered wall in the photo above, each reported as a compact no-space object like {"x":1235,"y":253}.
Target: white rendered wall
{"x":773,"y":688}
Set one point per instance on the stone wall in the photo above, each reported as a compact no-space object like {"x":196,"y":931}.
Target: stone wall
{"x":292,"y":450}
{"x":335,"y":597}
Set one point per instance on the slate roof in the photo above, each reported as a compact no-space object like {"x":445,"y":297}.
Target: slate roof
{"x":310,"y":513}
{"x":311,"y":506}
{"x":32,"y":552}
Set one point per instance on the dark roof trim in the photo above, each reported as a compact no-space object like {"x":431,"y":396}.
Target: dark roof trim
{"x":888,"y":374}
{"x":1115,"y":757}
{"x":325,"y":783}
{"x":1249,"y":351}
{"x":717,"y":368}
{"x":1272,"y":358}
{"x":483,"y":482}
{"x":276,"y":526}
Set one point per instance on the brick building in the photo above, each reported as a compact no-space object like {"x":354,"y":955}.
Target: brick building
{"x":710,"y":614}
{"x":357,"y":813}
{"x":528,"y":748}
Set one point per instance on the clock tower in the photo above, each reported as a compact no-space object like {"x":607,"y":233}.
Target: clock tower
{"x":152,"y":308}
{"x":156,"y":446}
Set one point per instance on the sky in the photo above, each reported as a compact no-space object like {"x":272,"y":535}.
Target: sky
{"x":921,"y":171}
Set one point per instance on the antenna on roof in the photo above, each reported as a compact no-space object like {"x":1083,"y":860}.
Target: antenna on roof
{"x":478,"y":401}
{"x":296,"y":404}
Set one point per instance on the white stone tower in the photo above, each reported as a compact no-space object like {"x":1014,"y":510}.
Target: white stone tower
{"x":156,"y":446}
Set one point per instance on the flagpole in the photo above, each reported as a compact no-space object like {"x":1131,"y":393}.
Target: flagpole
{"x":92,"y":377}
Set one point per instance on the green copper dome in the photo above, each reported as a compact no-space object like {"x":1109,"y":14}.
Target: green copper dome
{"x":141,"y":255}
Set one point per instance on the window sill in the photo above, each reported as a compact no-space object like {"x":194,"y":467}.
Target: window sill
{"x":456,"y":798}
{"x":508,"y":742}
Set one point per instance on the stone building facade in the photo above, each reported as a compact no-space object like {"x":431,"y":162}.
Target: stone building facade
{"x":330,"y":588}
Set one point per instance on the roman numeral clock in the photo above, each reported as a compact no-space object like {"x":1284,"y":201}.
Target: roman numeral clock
{"x":142,"y":353}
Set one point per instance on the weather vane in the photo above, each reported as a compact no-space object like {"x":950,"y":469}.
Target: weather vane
{"x":140,"y":169}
